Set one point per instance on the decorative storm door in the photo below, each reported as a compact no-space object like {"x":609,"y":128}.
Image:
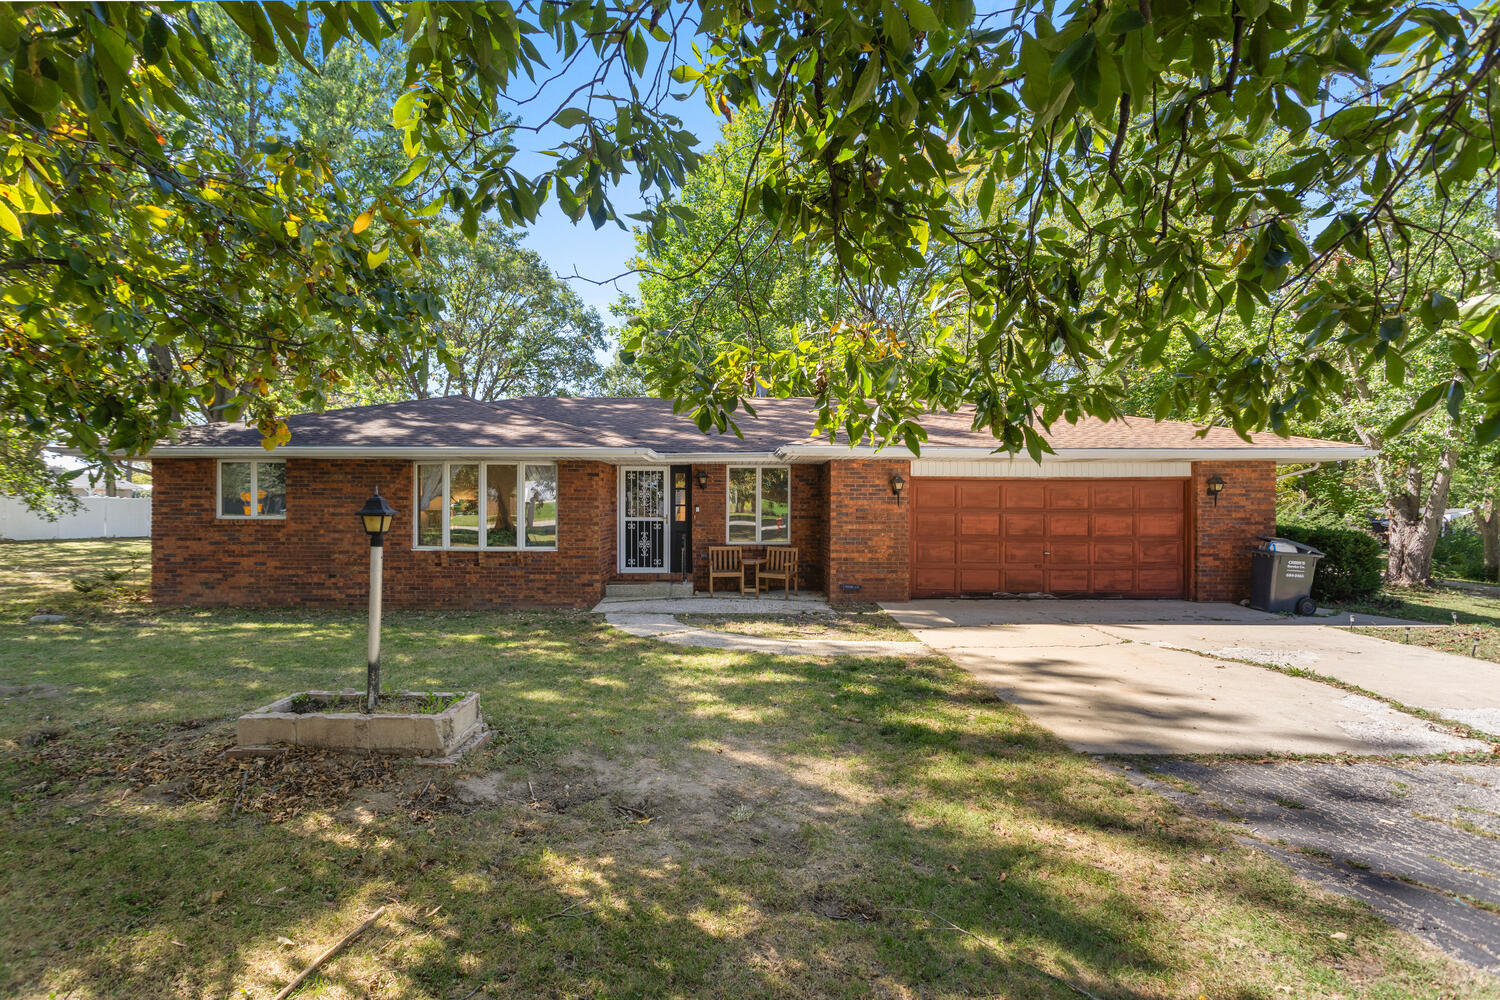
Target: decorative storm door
{"x":643,"y":515}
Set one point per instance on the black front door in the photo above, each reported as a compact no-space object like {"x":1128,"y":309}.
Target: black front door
{"x":681,"y":519}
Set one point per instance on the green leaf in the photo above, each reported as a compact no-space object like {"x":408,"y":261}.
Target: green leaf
{"x":864,"y":87}
{"x":1126,"y":22}
{"x":1073,"y":58}
{"x":413,"y":170}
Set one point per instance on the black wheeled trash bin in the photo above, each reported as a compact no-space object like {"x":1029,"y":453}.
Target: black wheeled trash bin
{"x":1281,"y":576}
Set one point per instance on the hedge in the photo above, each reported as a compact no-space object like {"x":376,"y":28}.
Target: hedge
{"x":1353,"y":563}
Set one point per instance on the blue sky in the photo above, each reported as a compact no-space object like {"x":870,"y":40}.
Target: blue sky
{"x":598,"y":254}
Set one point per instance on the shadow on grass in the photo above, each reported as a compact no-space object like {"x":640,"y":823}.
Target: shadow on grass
{"x":660,"y":821}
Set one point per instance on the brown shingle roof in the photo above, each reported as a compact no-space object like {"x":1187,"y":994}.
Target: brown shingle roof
{"x":648,"y":423}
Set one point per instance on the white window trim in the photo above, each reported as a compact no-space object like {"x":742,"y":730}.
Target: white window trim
{"x":759,"y":524}
{"x":255,"y":464}
{"x":519,"y":465}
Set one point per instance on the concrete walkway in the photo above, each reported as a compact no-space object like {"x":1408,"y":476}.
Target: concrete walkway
{"x":1077,"y":670}
{"x":1452,"y":686}
{"x":802,"y":604}
{"x":667,"y":628}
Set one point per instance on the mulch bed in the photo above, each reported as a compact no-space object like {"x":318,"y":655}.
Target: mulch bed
{"x":187,"y":763}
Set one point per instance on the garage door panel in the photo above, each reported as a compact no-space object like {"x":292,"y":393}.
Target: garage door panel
{"x":1114,"y":496}
{"x":1114,"y":581}
{"x":1163,"y":496}
{"x":981,"y":550}
{"x":1121,"y":553}
{"x":1023,"y":496}
{"x":1024,"y":552}
{"x":1023,"y":525}
{"x":1163,"y":581}
{"x":1066,"y":537}
{"x":934,"y":580}
{"x":1023,"y":581}
{"x":1066,"y":553}
{"x":1067,"y":581}
{"x":979,"y":494}
{"x":1068,"y":496}
{"x":1166,"y":552}
{"x":985,"y":523}
{"x":936,"y":550}
{"x":979,"y":581}
{"x":1068,"y":525}
{"x":1114,"y":526}
{"x":1159,"y":525}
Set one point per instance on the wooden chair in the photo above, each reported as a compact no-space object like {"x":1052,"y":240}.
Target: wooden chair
{"x":725,"y":563}
{"x":780,"y":564}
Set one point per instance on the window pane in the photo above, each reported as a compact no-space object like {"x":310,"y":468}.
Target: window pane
{"x":234,"y":488}
{"x":500,"y":505}
{"x":742,"y":505}
{"x":463,"y":506}
{"x":430,"y":505}
{"x":270,"y":484}
{"x":775,"y":506}
{"x":541,"y":505}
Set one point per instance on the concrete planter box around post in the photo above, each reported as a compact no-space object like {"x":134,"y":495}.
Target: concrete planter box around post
{"x":454,"y":730}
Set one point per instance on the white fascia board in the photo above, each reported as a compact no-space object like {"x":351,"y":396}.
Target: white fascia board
{"x":722,"y":457}
{"x":433,"y":453}
{"x":1282,"y":455}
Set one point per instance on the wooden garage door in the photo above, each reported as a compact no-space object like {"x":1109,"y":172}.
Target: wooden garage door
{"x":1095,"y":537}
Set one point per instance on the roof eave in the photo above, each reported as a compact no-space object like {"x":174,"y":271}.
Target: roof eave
{"x":1280,"y":454}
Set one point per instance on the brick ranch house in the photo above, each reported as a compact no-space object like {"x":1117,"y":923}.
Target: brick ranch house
{"x":543,"y":501}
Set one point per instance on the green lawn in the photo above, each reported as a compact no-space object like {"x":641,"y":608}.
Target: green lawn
{"x":652,"y":821}
{"x":1478,"y":618}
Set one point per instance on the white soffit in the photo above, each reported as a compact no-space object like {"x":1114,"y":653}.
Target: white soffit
{"x":1027,"y":469}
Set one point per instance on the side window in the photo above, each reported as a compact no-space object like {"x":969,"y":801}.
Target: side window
{"x":253,"y":489}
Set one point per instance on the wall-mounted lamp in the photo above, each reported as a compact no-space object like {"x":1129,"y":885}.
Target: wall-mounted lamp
{"x":898,"y":486}
{"x":703,"y":479}
{"x":1215,"y":487}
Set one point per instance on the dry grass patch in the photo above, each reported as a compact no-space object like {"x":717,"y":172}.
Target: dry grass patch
{"x":653,"y":820}
{"x":865,"y":625}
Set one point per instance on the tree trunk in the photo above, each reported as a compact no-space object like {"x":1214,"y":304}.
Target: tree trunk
{"x":109,"y":483}
{"x":1416,"y":520}
{"x":1487,"y":518}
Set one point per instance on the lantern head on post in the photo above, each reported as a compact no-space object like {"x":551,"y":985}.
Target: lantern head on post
{"x":376,"y":516}
{"x":898,"y":486}
{"x":1215,"y":487}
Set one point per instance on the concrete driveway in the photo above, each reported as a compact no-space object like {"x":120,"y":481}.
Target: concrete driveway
{"x":1163,"y":677}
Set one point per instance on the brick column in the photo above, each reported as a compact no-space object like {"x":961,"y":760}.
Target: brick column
{"x":1224,"y":534}
{"x":869,"y":533}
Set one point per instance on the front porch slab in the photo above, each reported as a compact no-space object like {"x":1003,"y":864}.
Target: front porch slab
{"x":701,"y":604}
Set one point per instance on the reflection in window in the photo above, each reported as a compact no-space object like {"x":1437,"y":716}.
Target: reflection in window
{"x":500,"y":505}
{"x":541,"y":505}
{"x":760,"y":505}
{"x":430,"y":505}
{"x":463,"y":506}
{"x":456,"y":489}
{"x":252,"y":489}
{"x":742,"y":505}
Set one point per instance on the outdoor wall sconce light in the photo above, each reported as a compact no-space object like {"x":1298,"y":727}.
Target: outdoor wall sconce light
{"x":703,"y":479}
{"x":898,"y":486}
{"x":375,"y":516}
{"x":1215,"y":487}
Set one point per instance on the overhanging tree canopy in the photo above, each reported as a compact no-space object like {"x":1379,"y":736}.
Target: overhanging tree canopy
{"x":1100,"y":169}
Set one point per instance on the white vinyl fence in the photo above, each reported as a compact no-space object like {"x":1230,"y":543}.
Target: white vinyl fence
{"x":96,"y":517}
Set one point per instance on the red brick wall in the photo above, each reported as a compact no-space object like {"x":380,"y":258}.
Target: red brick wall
{"x":868,"y":535}
{"x":1223,"y":535}
{"x":318,"y":556}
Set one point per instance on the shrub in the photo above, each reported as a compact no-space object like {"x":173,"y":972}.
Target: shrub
{"x":1352,"y":566}
{"x":1460,"y":552}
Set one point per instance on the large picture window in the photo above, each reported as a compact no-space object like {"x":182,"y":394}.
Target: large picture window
{"x":760,"y":505}
{"x":252,"y":489}
{"x":474,"y":505}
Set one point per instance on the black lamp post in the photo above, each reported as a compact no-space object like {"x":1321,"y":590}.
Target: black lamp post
{"x":376,"y":517}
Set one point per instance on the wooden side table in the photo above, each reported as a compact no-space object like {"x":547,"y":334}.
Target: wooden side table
{"x":755,"y":564}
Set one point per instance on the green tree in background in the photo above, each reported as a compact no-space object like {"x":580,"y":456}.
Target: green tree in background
{"x":509,"y":326}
